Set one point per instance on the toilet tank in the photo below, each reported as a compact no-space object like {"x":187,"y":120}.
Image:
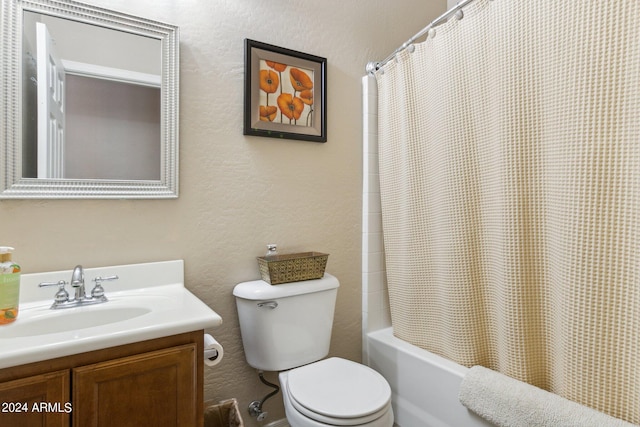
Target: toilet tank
{"x":288,"y":325}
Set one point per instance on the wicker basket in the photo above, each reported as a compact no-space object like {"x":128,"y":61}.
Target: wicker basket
{"x":292,"y":267}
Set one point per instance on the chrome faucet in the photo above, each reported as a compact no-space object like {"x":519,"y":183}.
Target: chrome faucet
{"x":77,"y":281}
{"x":61,"y":298}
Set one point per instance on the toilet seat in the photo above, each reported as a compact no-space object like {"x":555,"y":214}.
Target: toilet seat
{"x":338,"y":392}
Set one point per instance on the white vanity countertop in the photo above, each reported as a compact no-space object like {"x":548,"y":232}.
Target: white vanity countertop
{"x":147,"y":301}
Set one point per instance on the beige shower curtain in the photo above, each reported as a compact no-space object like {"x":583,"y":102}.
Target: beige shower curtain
{"x":510,"y":180}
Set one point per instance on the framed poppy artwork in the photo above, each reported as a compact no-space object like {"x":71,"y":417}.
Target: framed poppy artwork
{"x":285,"y":93}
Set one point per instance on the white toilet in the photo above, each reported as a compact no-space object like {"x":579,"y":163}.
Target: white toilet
{"x":287,"y":328}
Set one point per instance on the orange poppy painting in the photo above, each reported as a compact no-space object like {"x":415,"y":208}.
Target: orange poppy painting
{"x":293,"y":89}
{"x":284,"y":93}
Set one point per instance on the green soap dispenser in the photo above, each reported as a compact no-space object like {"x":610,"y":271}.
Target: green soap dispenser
{"x":9,"y":286}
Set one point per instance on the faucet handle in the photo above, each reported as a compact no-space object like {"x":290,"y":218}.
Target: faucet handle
{"x":62,"y":295}
{"x":60,"y":283}
{"x":104,"y":279}
{"x":98,"y":290}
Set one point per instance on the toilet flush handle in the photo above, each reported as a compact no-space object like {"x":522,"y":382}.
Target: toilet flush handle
{"x":268,"y":304}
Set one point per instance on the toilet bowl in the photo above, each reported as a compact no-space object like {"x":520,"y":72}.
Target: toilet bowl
{"x":287,"y":328}
{"x":336,"y":392}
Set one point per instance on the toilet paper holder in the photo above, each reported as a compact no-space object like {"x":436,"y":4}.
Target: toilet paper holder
{"x":213,"y":351}
{"x":211,"y":354}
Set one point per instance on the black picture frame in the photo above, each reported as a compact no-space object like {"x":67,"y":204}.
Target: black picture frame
{"x":285,"y":93}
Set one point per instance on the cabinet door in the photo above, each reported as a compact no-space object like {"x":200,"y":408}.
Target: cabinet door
{"x":152,"y":389}
{"x":41,"y":400}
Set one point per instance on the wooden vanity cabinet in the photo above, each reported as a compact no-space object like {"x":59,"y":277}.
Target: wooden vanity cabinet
{"x":155,"y":389}
{"x":21,"y":400}
{"x":151,"y":383}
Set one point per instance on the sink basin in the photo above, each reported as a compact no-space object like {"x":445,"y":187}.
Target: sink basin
{"x":59,"y":321}
{"x":148,"y":301}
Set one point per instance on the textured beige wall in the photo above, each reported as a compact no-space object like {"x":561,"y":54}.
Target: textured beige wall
{"x":239,"y":193}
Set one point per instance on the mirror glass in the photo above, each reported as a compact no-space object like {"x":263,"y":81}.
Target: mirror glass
{"x":97,"y":95}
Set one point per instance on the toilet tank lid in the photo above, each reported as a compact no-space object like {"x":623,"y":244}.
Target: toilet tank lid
{"x":259,"y":290}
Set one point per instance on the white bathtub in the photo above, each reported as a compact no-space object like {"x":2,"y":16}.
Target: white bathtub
{"x":424,"y":385}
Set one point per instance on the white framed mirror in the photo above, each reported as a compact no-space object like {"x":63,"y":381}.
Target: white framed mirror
{"x":89,"y":104}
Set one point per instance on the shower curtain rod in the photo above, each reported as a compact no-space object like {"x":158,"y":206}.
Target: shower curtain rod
{"x":456,"y":10}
